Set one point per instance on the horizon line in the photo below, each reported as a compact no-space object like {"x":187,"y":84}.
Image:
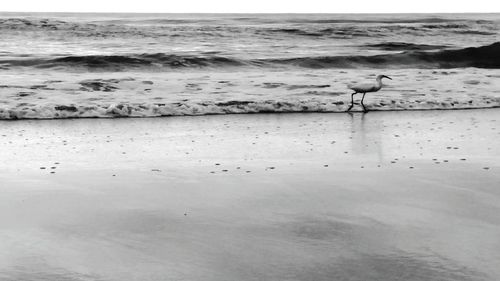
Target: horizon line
{"x":276,"y":13}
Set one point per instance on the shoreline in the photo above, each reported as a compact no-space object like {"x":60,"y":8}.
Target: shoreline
{"x":254,"y":113}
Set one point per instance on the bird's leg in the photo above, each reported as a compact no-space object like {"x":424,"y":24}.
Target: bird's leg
{"x":352,"y":101}
{"x":364,"y":109}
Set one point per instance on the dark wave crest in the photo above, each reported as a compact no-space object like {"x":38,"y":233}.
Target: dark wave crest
{"x":339,"y":32}
{"x":403,"y":46}
{"x":123,"y":62}
{"x":481,"y":57}
{"x":295,"y":31}
{"x":144,"y":60}
{"x":375,"y":20}
{"x":445,"y":26}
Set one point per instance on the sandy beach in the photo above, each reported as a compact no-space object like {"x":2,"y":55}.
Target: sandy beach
{"x":376,"y":196}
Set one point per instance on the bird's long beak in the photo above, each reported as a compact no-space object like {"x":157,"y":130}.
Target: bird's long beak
{"x":388,"y":77}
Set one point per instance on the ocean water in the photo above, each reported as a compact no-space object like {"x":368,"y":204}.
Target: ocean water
{"x":144,"y":65}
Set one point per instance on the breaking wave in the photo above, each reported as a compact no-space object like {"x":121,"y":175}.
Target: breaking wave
{"x":403,"y":46}
{"x":122,"y":110}
{"x":124,"y":62}
{"x":480,"y":57}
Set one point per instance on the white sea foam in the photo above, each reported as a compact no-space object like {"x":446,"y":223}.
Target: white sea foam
{"x":80,"y":95}
{"x":194,"y":109}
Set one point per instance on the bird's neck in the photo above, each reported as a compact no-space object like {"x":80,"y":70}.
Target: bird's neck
{"x":379,"y":82}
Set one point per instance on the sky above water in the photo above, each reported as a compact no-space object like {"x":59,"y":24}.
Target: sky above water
{"x":254,"y":6}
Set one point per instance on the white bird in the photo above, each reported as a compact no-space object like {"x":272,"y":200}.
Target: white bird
{"x":366,"y":88}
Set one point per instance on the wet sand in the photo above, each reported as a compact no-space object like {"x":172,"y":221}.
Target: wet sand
{"x":376,"y":196}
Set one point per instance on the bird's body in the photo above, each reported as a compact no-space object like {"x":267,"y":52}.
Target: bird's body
{"x":366,"y":88}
